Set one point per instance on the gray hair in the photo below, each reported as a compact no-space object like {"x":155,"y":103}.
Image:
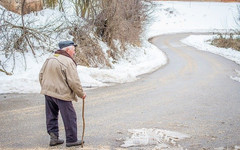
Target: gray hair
{"x":68,"y":47}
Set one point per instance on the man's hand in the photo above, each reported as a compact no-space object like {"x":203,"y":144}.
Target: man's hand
{"x":84,"y":96}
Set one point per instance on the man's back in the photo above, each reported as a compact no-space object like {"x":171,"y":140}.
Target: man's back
{"x":55,"y":76}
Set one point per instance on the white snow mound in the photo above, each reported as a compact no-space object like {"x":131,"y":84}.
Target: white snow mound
{"x":160,"y":139}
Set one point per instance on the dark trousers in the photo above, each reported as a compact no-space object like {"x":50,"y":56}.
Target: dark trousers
{"x":53,"y":105}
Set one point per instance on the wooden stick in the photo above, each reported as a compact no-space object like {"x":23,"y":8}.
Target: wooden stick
{"x":83,"y":122}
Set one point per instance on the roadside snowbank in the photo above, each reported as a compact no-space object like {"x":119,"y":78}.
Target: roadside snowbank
{"x":203,"y":42}
{"x":136,"y":62}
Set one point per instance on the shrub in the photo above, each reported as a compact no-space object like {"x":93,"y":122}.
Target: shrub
{"x":121,"y":20}
{"x":227,"y":41}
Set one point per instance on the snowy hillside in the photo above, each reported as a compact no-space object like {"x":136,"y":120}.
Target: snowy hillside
{"x":167,"y":17}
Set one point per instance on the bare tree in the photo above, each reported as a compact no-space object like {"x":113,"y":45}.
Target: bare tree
{"x":121,"y":20}
{"x":18,"y":35}
{"x":112,"y":21}
{"x":54,"y":3}
{"x":238,"y":20}
{"x":86,"y":8}
{"x":50,"y":3}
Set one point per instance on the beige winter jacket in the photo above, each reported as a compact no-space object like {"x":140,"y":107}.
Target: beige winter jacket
{"x":59,"y":79}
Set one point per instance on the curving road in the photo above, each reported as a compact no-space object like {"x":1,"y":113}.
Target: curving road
{"x":192,"y":94}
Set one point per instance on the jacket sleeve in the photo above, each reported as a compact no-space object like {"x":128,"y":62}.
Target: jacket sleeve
{"x":73,"y":80}
{"x":41,"y":72}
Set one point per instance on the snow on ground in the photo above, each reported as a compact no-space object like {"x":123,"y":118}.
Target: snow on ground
{"x":167,"y":17}
{"x":236,"y":78}
{"x":203,"y":42}
{"x":23,"y":81}
{"x":154,"y":139}
{"x":228,"y":148}
{"x":173,"y":17}
{"x":134,"y":63}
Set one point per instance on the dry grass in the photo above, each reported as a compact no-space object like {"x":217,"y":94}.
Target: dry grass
{"x":117,"y":23}
{"x":121,"y":20}
{"x":88,"y":52}
{"x":227,"y":42}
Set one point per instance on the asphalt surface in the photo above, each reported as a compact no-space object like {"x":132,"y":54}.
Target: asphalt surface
{"x":192,"y":94}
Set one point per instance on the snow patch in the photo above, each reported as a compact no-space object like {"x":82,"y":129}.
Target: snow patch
{"x":160,"y":139}
{"x":236,"y":78}
{"x":175,"y":17}
{"x":228,"y":148}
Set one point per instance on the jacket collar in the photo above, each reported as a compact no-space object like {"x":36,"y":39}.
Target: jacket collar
{"x":64,"y":53}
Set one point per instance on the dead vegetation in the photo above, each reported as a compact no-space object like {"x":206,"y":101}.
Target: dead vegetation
{"x":18,"y":7}
{"x":88,"y":52}
{"x":227,"y":41}
{"x":19,"y":35}
{"x":121,"y":20}
{"x":115,"y":22}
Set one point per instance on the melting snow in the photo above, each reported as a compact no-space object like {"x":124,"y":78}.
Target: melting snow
{"x":154,"y":138}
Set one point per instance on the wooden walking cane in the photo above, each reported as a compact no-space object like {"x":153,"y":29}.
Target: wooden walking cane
{"x":83,"y":121}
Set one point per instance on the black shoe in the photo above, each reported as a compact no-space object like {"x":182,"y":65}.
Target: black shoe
{"x":78,"y":142}
{"x":54,"y":140}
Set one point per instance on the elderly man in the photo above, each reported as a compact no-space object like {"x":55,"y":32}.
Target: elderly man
{"x":60,"y":84}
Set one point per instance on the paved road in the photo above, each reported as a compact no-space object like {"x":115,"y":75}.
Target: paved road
{"x":192,"y":94}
